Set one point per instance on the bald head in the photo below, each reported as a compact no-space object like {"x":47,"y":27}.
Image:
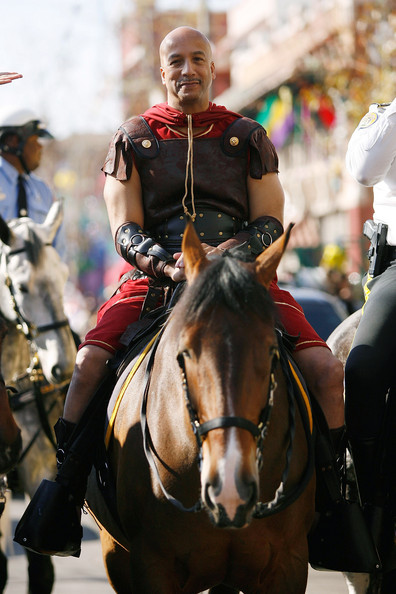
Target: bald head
{"x":187,"y":69}
{"x":181,"y":35}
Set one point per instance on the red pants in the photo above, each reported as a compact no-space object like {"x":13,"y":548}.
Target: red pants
{"x":125,"y":306}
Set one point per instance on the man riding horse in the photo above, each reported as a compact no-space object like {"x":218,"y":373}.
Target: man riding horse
{"x":186,"y":158}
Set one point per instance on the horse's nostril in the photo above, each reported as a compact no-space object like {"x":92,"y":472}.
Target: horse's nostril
{"x":209,"y":496}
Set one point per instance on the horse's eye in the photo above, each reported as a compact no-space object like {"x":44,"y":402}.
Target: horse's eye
{"x":23,"y":289}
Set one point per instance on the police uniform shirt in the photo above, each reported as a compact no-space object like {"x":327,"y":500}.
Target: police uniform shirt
{"x":38,"y":196}
{"x":371,"y":160}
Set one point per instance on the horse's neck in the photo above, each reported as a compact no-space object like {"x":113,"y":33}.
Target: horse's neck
{"x":15,"y":357}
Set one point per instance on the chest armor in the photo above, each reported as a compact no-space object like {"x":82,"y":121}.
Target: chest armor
{"x":220,"y":168}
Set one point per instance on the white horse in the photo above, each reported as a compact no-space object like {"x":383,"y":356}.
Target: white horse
{"x":38,"y":352}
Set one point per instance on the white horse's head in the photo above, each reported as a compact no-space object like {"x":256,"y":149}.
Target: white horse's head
{"x":32,"y":282}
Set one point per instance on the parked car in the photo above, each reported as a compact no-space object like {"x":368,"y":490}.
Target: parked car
{"x":323,"y":311}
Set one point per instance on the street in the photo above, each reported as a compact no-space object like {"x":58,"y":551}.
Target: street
{"x":86,"y":575}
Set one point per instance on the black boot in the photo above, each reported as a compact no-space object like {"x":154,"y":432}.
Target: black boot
{"x":339,"y":539}
{"x":51,"y":524}
{"x":367,"y":461}
{"x":339,"y":442}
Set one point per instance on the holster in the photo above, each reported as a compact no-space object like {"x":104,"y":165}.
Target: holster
{"x":377,"y":234}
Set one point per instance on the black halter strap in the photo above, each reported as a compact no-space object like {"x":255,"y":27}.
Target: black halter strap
{"x":225,"y":422}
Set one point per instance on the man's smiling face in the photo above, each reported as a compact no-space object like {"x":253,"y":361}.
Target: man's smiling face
{"x":187,"y":69}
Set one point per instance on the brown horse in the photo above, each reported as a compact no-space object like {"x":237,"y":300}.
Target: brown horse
{"x":210,"y":418}
{"x":10,"y":434}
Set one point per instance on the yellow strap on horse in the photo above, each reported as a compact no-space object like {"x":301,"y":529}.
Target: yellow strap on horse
{"x":303,"y":393}
{"x":126,"y":383}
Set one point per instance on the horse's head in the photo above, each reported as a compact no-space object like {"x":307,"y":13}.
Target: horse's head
{"x":227,"y":350}
{"x":32,"y":281}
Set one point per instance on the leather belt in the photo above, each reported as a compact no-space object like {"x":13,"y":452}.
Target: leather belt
{"x":213,"y":227}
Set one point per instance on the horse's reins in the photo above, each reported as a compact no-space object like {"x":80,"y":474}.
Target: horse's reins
{"x":282,"y":499}
{"x":34,"y":371}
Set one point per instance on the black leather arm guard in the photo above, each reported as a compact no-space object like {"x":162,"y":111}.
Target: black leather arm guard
{"x":256,"y":237}
{"x":140,"y":250}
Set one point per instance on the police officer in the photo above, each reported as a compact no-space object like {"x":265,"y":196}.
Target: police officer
{"x":22,"y":193}
{"x":370,"y":367}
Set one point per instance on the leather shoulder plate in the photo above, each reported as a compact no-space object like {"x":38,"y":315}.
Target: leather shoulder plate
{"x":236,"y":137}
{"x":141,"y":137}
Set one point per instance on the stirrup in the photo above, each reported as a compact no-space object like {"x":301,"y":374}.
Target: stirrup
{"x":51,"y":524}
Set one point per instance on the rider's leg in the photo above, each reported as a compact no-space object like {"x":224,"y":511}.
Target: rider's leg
{"x":324,"y":376}
{"x":323,"y":373}
{"x":365,"y":408}
{"x":369,"y":372}
{"x":89,"y":372}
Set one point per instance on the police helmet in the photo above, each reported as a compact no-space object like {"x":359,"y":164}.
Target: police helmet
{"x":22,"y":122}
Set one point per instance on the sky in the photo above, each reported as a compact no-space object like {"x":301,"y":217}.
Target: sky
{"x":69,"y":58}
{"x":68,"y":53}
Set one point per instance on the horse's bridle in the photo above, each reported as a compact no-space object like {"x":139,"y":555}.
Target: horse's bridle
{"x":258,"y":431}
{"x":30,"y":330}
{"x":35,"y":372}
{"x":282,"y":499}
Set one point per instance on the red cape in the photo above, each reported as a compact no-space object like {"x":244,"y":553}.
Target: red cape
{"x":162,"y":112}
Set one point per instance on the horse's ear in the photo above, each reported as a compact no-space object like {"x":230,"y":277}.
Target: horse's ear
{"x":268,"y":261}
{"x":53,"y":219}
{"x":193,"y":253}
{"x":5,"y":232}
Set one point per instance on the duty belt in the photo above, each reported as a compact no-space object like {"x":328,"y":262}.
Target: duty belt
{"x":213,"y":227}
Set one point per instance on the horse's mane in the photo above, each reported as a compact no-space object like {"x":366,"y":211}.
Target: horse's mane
{"x":232,"y":284}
